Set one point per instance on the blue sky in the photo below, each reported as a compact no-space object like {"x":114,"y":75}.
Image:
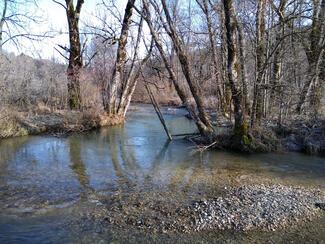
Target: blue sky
{"x":54,"y":20}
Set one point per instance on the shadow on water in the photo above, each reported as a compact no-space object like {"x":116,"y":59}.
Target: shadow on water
{"x":8,"y":149}
{"x":78,"y":166}
{"x":46,"y":180}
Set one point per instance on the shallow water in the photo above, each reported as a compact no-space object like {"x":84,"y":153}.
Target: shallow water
{"x":47,"y":182}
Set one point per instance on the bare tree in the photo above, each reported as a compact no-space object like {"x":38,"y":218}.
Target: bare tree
{"x":75,"y":52}
{"x":241,"y":126}
{"x":179,"y":47}
{"x":14,"y":21}
{"x":28,"y":82}
{"x":119,"y":89}
{"x":133,"y":74}
{"x":111,"y":89}
{"x":185,"y":98}
{"x":2,"y":21}
{"x":242,"y":64}
{"x":257,"y":110}
{"x":204,"y":5}
{"x":314,"y":47}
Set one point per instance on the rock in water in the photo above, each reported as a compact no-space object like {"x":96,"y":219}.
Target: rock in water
{"x":320,"y":205}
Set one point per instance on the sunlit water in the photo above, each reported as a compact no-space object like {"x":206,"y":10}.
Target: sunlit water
{"x":45,"y":182}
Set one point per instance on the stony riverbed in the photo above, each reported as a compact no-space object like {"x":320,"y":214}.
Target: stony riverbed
{"x":255,"y":207}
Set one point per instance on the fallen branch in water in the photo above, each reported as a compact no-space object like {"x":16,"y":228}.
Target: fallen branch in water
{"x":187,"y":134}
{"x":203,"y":148}
{"x":157,"y":109}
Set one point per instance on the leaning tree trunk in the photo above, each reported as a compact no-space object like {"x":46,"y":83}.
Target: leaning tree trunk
{"x":312,"y":79}
{"x":118,"y":93}
{"x":129,"y":90}
{"x":75,"y":55}
{"x":314,"y":51}
{"x":111,"y":89}
{"x":185,"y":65}
{"x":131,"y":79}
{"x":241,"y":126}
{"x":133,"y":75}
{"x":179,"y":89}
{"x":213,"y":47}
{"x":316,"y":87}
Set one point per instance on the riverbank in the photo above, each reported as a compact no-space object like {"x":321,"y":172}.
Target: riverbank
{"x":58,"y":123}
{"x":296,"y":136}
{"x":307,"y":136}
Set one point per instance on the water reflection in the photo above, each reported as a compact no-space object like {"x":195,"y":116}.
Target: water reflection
{"x":136,"y":157}
{"x":160,"y":156}
{"x":77,"y":164}
{"x":42,"y":171}
{"x":114,"y":145}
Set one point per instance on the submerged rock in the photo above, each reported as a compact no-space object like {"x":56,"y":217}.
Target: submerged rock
{"x":320,"y":205}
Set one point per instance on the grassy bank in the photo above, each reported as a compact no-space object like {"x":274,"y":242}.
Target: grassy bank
{"x":61,"y":122}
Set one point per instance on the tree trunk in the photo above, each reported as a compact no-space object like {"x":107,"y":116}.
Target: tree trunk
{"x":260,"y":61}
{"x":131,"y":79}
{"x":313,"y":88}
{"x":111,"y":89}
{"x":179,"y":89}
{"x":277,"y":60}
{"x":131,"y":84}
{"x":75,"y":55}
{"x":314,"y":51}
{"x":241,"y":127}
{"x":224,"y":57}
{"x":205,"y":8}
{"x":185,"y":65}
{"x":242,"y":61}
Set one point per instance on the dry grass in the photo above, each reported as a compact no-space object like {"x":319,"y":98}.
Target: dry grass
{"x":9,"y":124}
{"x":59,"y":123}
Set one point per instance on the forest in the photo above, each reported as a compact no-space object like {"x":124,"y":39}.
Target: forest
{"x":258,"y":66}
{"x":207,"y":81}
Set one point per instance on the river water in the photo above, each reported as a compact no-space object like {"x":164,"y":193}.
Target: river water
{"x":48,"y":183}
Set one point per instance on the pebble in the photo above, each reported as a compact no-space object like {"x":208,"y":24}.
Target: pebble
{"x":262,"y":207}
{"x":269,"y":208}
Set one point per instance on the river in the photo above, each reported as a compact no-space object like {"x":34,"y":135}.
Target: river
{"x":48,"y":184}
